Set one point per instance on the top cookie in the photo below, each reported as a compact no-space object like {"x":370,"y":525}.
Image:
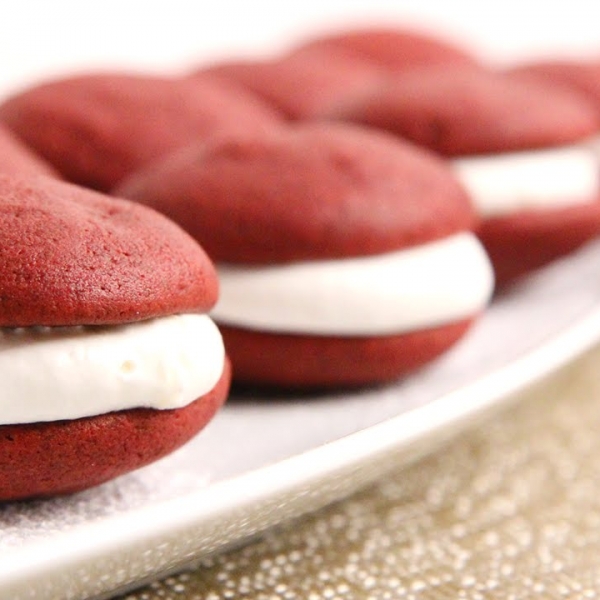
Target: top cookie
{"x":582,"y":76}
{"x":16,"y":157}
{"x":303,"y":83}
{"x":310,"y":191}
{"x":461,"y":111}
{"x":395,"y":49}
{"x":75,"y":257}
{"x":95,"y":129}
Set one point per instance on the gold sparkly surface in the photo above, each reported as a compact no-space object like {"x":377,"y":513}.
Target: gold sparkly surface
{"x":509,"y":510}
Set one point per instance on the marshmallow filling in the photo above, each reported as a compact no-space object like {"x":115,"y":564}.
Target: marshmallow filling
{"x":56,"y":373}
{"x":538,"y":180}
{"x":386,"y":294}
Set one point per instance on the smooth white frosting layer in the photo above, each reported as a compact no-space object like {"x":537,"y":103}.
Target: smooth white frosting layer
{"x":386,"y":294}
{"x":50,"y":374}
{"x":544,"y":179}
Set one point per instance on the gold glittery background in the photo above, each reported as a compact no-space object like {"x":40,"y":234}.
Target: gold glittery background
{"x":509,"y":510}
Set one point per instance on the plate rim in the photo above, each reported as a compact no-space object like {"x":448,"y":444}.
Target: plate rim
{"x":444,"y":417}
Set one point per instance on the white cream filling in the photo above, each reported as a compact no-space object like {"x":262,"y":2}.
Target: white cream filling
{"x":544,"y":179}
{"x":386,"y":294}
{"x":50,"y":374}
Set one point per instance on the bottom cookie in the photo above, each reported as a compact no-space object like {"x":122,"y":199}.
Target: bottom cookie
{"x":519,"y":244}
{"x":46,"y":459}
{"x":312,"y":362}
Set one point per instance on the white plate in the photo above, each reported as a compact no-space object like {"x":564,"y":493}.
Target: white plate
{"x":261,"y":462}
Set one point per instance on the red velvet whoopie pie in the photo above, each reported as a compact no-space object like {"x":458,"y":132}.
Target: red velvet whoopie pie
{"x":518,"y":146}
{"x":17,"y":158}
{"x":109,"y":360}
{"x":345,"y":257}
{"x":97,"y":128}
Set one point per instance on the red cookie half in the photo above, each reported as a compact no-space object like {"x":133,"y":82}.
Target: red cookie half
{"x":395,"y":49}
{"x":303,"y":83}
{"x":579,"y":75}
{"x":310,"y":191}
{"x":17,"y":158}
{"x":537,"y":237}
{"x":463,"y":111}
{"x":95,"y":129}
{"x":310,"y":361}
{"x":61,"y":457}
{"x":71,"y":256}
